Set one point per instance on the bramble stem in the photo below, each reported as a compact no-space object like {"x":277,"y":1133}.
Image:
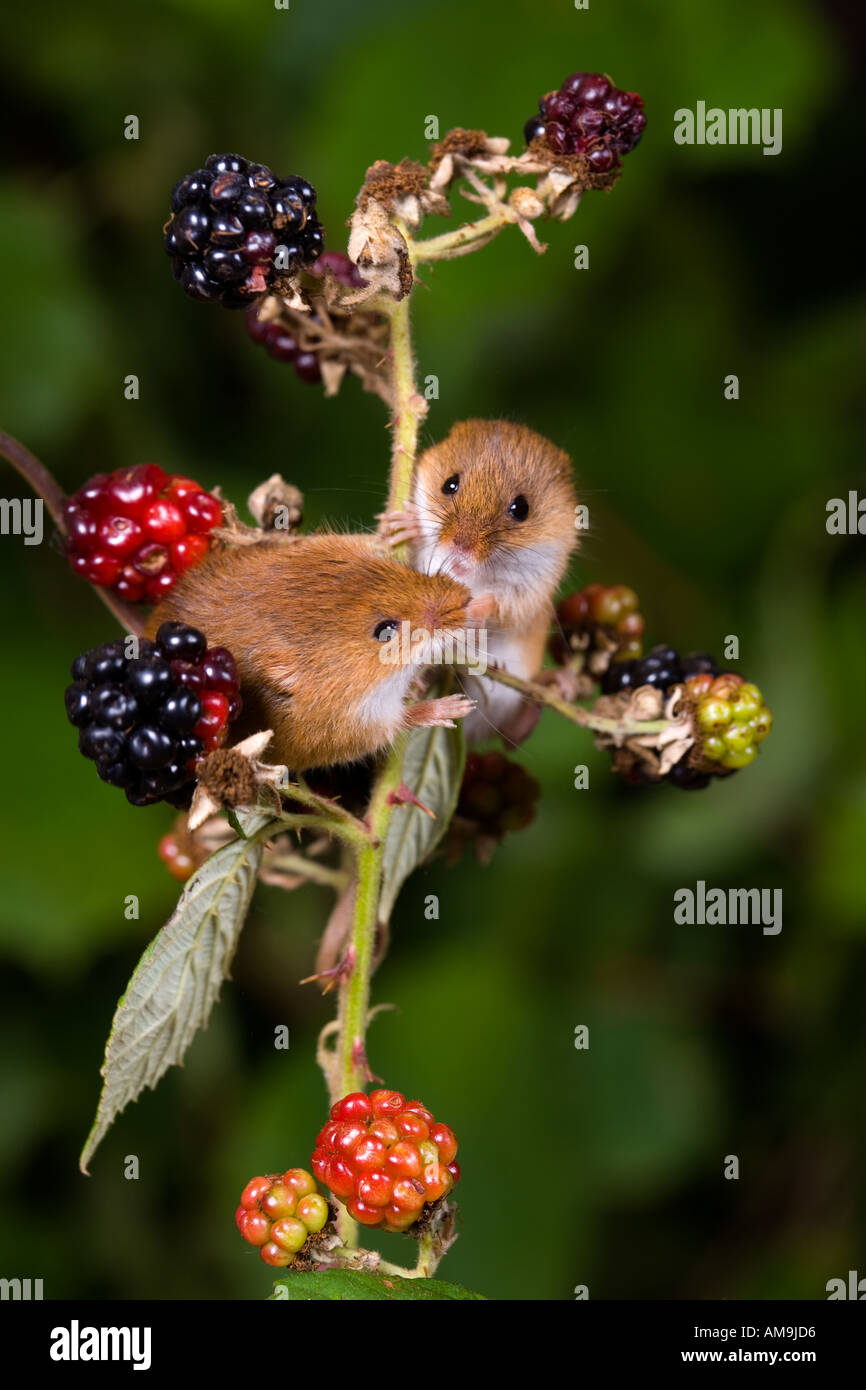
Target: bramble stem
{"x":409,"y":410}
{"x":299,"y":864}
{"x":584,"y":717}
{"x":299,"y":791}
{"x":470,"y":237}
{"x":351,"y":1061}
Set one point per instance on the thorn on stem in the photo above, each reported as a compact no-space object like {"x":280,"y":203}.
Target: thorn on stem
{"x":404,"y":796}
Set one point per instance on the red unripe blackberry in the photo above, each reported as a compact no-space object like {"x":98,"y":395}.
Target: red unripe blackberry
{"x":279,"y":1213}
{"x":589,"y":116}
{"x":227,"y":222}
{"x":378,"y":1154}
{"x":135,"y":530}
{"x":146,"y":720}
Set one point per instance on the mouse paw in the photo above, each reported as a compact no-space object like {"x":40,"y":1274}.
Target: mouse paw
{"x":399,"y":526}
{"x":440,"y":713}
{"x":565,"y":683}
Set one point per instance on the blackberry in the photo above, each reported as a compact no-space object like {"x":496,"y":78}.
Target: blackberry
{"x":226,"y":223}
{"x":589,"y":116}
{"x":660,"y":667}
{"x":146,"y":721}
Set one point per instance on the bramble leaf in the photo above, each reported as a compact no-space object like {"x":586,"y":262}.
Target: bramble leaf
{"x":177,"y":980}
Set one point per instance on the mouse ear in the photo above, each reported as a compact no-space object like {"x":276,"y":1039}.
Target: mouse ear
{"x":478,"y":609}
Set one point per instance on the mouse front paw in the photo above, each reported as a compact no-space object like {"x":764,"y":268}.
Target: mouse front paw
{"x":440,"y":713}
{"x":402,"y":525}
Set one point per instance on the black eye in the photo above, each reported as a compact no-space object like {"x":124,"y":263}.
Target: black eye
{"x":451,"y":484}
{"x":384,"y":631}
{"x":519,"y":508}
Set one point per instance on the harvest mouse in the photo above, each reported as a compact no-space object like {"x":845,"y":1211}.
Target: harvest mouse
{"x":306,"y":622}
{"x":493,"y":506}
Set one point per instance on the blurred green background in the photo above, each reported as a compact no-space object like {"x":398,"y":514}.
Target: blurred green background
{"x":603,"y":1167}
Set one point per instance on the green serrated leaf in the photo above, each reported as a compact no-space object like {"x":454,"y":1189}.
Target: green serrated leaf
{"x":433,"y":770}
{"x":335,"y":1284}
{"x":177,"y":980}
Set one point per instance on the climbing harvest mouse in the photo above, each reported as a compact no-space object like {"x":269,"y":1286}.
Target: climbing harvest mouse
{"x":305,"y":621}
{"x":493,"y":506}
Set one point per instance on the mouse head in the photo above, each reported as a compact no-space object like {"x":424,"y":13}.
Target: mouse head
{"x":496,"y":508}
{"x":352,"y":603}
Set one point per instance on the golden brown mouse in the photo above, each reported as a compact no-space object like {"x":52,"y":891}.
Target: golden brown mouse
{"x":306,"y":621}
{"x":493,"y":506}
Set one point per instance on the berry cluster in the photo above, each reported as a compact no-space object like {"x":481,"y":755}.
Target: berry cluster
{"x":279,"y":1213}
{"x":497,"y":795}
{"x":589,"y":116}
{"x":226,"y":223}
{"x":145,"y":720}
{"x":137,"y":529}
{"x":385,"y":1158}
{"x":279,"y":344}
{"x":607,"y":616}
{"x":731,"y":716}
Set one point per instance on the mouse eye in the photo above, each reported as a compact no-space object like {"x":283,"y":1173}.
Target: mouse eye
{"x":451,"y":484}
{"x":384,"y":631}
{"x":518,"y":510}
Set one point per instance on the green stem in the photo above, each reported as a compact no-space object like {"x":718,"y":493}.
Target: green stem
{"x":310,"y":869}
{"x":470,"y":237}
{"x":584,"y":717}
{"x":409,"y":410}
{"x":299,"y":791}
{"x":350,"y":1073}
{"x":334,"y":825}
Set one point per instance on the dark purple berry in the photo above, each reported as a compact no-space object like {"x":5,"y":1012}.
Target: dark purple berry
{"x":105,"y":663}
{"x":226,"y":163}
{"x":113,"y":705}
{"x":307,"y":367}
{"x":180,"y":712}
{"x":225,"y":265}
{"x":259,"y":246}
{"x":182,"y":641}
{"x":533,"y":128}
{"x":192,"y":188}
{"x":698,"y":664}
{"x":150,"y":747}
{"x":150,"y":679}
{"x":101,"y":743}
{"x":78,"y":704}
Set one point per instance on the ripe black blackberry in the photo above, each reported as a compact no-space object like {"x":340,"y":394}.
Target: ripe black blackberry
{"x":661,"y":667}
{"x":226,"y":223}
{"x":145,"y":720}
